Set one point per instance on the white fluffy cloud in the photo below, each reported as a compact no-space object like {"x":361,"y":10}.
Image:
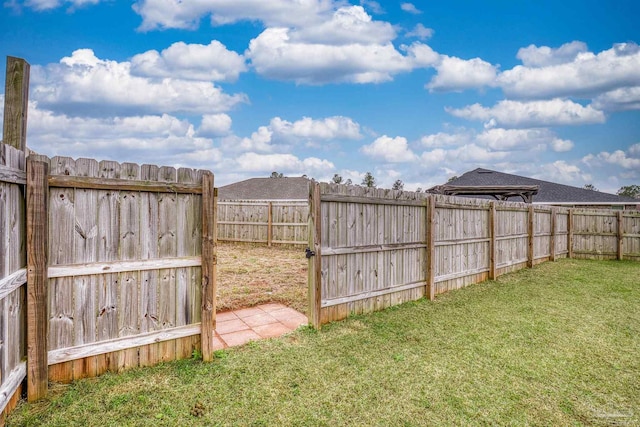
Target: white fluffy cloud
{"x":283,"y":135}
{"x":41,"y":5}
{"x":337,"y":127}
{"x":421,"y":32}
{"x":87,"y":84}
{"x":348,"y":25}
{"x":410,"y":8}
{"x":456,"y":74}
{"x":499,"y":139}
{"x":163,"y":14}
{"x":619,"y":158}
{"x":158,"y":139}
{"x":586,"y":75}
{"x":275,"y":55}
{"x":286,"y":163}
{"x":215,"y":125}
{"x":443,"y":139}
{"x":490,"y":145}
{"x":562,"y":172}
{"x":393,"y":150}
{"x":517,"y":114}
{"x":561,"y":145}
{"x":212,"y":62}
{"x":619,"y":165}
{"x":544,"y":56}
{"x":626,"y":98}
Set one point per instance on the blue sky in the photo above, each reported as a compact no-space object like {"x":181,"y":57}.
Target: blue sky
{"x":415,"y":91}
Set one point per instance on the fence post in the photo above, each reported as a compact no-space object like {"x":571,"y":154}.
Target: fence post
{"x":270,"y":224}
{"x":37,"y":298}
{"x":16,"y":101}
{"x":315,"y":258}
{"x":492,"y":240}
{"x":431,"y":249}
{"x":570,"y":235}
{"x":620,"y":250}
{"x":530,"y":232}
{"x":552,"y":238}
{"x":209,"y":262}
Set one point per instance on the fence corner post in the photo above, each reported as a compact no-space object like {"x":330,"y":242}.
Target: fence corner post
{"x":37,"y":286}
{"x":431,"y":249}
{"x":209,"y":261}
{"x":16,"y":103}
{"x":531,"y":236}
{"x":492,"y":240}
{"x":315,"y":256}
{"x":570,"y":234}
{"x":270,"y":224}
{"x":552,"y":238}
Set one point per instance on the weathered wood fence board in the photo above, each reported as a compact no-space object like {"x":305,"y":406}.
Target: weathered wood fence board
{"x":13,"y":279}
{"x":376,"y":248}
{"x":263,"y":221}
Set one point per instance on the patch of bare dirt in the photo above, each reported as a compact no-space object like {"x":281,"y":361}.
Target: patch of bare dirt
{"x":250,"y":274}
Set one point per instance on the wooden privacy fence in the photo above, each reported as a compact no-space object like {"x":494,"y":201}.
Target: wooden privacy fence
{"x":13,"y":276}
{"x":374,"y":248}
{"x":13,"y":260}
{"x":121,"y":262}
{"x":263,"y":221}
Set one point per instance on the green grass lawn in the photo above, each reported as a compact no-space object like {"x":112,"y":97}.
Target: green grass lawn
{"x":555,"y":345}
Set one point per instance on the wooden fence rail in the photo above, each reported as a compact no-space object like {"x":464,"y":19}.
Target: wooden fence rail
{"x":375,"y":248}
{"x":263,"y":221}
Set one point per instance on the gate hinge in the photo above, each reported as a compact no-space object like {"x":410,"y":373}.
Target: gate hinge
{"x":309,"y":253}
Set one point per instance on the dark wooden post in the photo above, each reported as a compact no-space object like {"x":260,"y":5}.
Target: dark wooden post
{"x":620,"y":250}
{"x":16,"y":102}
{"x":270,"y":224}
{"x":37,"y":297}
{"x":209,"y":262}
{"x":531,"y":233}
{"x":492,"y":240}
{"x":314,"y":254}
{"x":570,"y":235}
{"x":552,"y":238}
{"x":431,"y":248}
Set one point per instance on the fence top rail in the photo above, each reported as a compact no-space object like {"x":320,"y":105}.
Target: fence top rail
{"x":12,"y":175}
{"x":63,"y":181}
{"x":604,"y":212}
{"x":262,"y":201}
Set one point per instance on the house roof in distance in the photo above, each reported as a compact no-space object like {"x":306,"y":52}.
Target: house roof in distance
{"x":266,"y":189}
{"x":548,"y":192}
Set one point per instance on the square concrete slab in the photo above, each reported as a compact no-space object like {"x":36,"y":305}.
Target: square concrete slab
{"x":232,"y":325}
{"x":259,"y":319}
{"x":271,"y":320}
{"x":246,"y":312}
{"x":272,"y":330}
{"x":239,"y":338}
{"x":227,"y":315}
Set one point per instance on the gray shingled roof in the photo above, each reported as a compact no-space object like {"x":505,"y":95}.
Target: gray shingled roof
{"x":549,"y":192}
{"x":266,"y":189}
